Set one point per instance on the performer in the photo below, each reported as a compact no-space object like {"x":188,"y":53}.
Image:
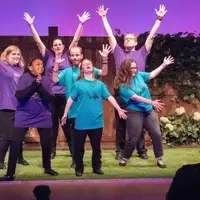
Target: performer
{"x":49,"y":57}
{"x":88,"y":93}
{"x":11,"y":68}
{"x":133,"y":89}
{"x":139,"y":56}
{"x":69,"y":76}
{"x":33,"y":95}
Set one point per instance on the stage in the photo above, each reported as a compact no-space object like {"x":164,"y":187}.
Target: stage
{"x":113,"y":189}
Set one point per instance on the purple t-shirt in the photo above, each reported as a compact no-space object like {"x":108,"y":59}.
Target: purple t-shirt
{"x":9,"y":77}
{"x":34,"y":113}
{"x":49,"y":60}
{"x":138,"y":56}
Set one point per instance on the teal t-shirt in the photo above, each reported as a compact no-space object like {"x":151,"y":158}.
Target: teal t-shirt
{"x":90,"y":95}
{"x":139,"y":87}
{"x":67,"y":78}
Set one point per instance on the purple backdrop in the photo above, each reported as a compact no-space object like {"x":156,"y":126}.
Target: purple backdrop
{"x":128,"y":15}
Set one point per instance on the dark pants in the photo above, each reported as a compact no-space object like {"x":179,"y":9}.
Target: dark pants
{"x":18,"y":136}
{"x":6,"y":133}
{"x":134,"y":123}
{"x":95,"y":136}
{"x":121,"y":136}
{"x":57,"y":110}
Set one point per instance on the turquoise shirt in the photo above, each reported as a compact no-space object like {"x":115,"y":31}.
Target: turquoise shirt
{"x":139,"y":87}
{"x":67,"y":78}
{"x":90,"y":95}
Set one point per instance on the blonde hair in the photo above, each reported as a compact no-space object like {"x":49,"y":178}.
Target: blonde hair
{"x":7,"y":51}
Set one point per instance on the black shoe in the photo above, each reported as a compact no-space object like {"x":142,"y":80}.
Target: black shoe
{"x":22,"y":162}
{"x":143,"y":156}
{"x":51,"y":172}
{"x":2,"y":166}
{"x":78,"y":173}
{"x":98,"y":171}
{"x":7,"y":178}
{"x":161,"y":164}
{"x":122,"y":162}
{"x":73,"y":165}
{"x":53,"y":154}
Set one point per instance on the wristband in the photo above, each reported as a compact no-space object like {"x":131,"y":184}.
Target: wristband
{"x":159,"y":18}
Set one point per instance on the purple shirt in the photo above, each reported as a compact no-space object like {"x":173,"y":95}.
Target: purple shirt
{"x":138,"y":56}
{"x":49,"y":60}
{"x":34,"y":113}
{"x":9,"y":76}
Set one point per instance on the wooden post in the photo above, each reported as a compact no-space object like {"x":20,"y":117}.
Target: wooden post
{"x":53,"y":33}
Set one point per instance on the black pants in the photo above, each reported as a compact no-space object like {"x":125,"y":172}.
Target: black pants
{"x":6,"y":133}
{"x":121,"y":136}
{"x":134,"y":122}
{"x":57,"y":110}
{"x":95,"y":136}
{"x":18,"y":136}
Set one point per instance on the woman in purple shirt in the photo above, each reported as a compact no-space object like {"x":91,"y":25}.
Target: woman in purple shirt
{"x":11,"y":68}
{"x":34,"y":96}
{"x":59,"y":91}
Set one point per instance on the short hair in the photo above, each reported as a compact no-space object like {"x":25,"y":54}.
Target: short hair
{"x":7,"y":51}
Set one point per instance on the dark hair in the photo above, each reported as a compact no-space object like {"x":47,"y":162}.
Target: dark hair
{"x":81,"y":76}
{"x":30,"y":64}
{"x":124,"y":75}
{"x":57,"y":38}
{"x":42,"y":192}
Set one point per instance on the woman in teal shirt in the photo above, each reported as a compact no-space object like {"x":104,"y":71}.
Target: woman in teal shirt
{"x":89,"y":93}
{"x":133,"y":89}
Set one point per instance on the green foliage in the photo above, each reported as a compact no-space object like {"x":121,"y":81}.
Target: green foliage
{"x":184,"y":75}
{"x":178,"y":128}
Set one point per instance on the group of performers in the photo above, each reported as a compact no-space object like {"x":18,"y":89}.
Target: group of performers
{"x":63,"y":87}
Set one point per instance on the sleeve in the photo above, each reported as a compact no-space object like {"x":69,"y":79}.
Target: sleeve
{"x":126,"y":93}
{"x":23,"y":93}
{"x":104,"y":91}
{"x":145,"y":76}
{"x":96,"y":72}
{"x":46,"y":55}
{"x":75,"y":92}
{"x":117,"y":53}
{"x":62,"y":77}
{"x":144,"y":52}
{"x":44,"y":95}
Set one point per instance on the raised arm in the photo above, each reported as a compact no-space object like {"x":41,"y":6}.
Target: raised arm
{"x":36,"y":37}
{"x":167,"y":61}
{"x":120,"y":111}
{"x":102,"y":13}
{"x":104,"y":55}
{"x":82,"y":19}
{"x":67,"y":107}
{"x":160,"y":14}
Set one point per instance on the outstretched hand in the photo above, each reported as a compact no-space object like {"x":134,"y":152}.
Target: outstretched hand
{"x":158,"y":105}
{"x":101,"y":11}
{"x":28,"y":18}
{"x":85,"y":16}
{"x":63,"y":120}
{"x":106,"y":49}
{"x":168,"y":60}
{"x":161,"y":12}
{"x":122,"y":114}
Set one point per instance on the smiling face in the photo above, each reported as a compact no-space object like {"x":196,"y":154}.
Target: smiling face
{"x":58,"y":46}
{"x":13,"y":58}
{"x":133,"y":69}
{"x":37,"y":67}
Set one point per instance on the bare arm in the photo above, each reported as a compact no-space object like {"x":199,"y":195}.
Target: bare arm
{"x":104,"y":55}
{"x":36,"y":37}
{"x":79,"y":30}
{"x":167,"y":61}
{"x":160,"y":14}
{"x":120,"y":111}
{"x":67,"y":107}
{"x":102,"y":13}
